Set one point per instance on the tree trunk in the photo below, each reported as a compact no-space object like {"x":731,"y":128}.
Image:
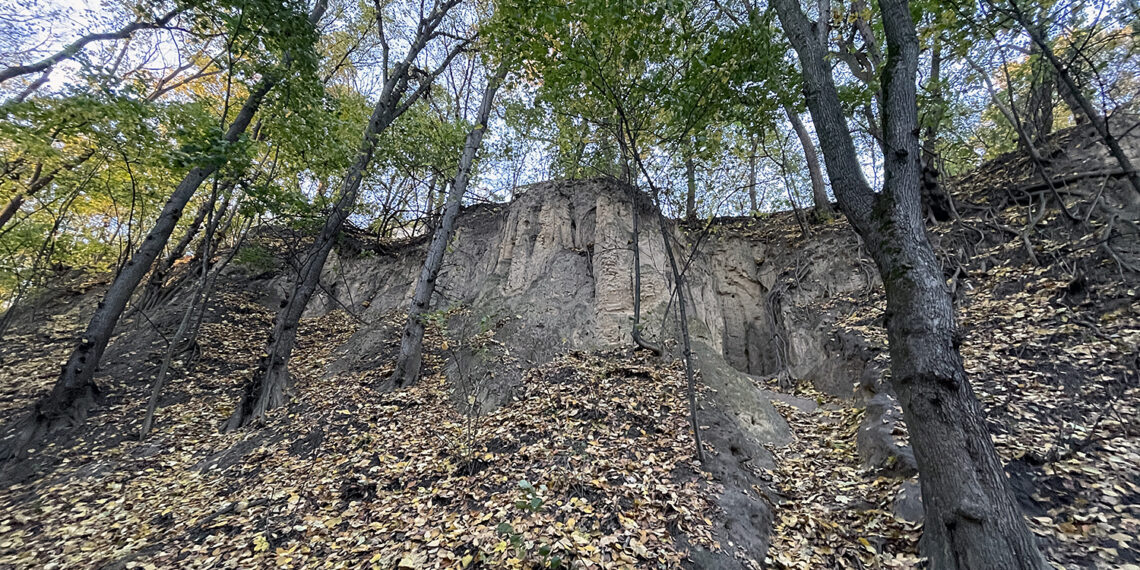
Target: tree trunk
{"x":183,"y":326}
{"x":935,"y":201}
{"x":267,"y":389}
{"x":214,"y":270}
{"x":752,"y":179}
{"x":410,"y":359}
{"x":1039,"y":103}
{"x":972,"y":519}
{"x":818,"y":188}
{"x":75,"y":390}
{"x":1073,"y":102}
{"x":635,"y":331}
{"x":151,"y":292}
{"x":690,"y":190}
{"x":635,"y":200}
{"x":686,"y":342}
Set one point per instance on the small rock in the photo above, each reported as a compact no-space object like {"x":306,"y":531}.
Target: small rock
{"x":907,"y":505}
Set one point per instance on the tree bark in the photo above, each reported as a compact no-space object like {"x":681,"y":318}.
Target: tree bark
{"x":175,"y":341}
{"x":690,"y":190}
{"x":267,"y":389}
{"x":151,"y":292}
{"x":935,"y":200}
{"x":1039,"y":103}
{"x":686,"y":341}
{"x":752,"y":180}
{"x":818,"y":188}
{"x":635,"y":243}
{"x":75,"y":391}
{"x":635,"y":200}
{"x":410,"y":359}
{"x":972,"y":519}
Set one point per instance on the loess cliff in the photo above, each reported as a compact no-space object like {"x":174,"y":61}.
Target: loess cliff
{"x":539,"y":437}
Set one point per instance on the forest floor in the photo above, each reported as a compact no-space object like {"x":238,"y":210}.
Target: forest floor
{"x":1051,"y":342}
{"x":590,"y":466}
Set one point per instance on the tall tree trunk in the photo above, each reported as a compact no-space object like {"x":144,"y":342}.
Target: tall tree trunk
{"x":818,"y":188}
{"x":752,"y":179}
{"x":635,"y":200}
{"x":75,"y":391}
{"x":151,"y":291}
{"x":972,"y":519}
{"x":180,"y":332}
{"x":267,"y":388}
{"x":1039,"y":103}
{"x":410,"y":359}
{"x":935,"y":200}
{"x":635,"y":330}
{"x":690,"y":190}
{"x":1073,"y":102}
{"x":686,"y":341}
{"x":678,"y":281}
{"x":185,"y":336}
{"x":1100,"y":123}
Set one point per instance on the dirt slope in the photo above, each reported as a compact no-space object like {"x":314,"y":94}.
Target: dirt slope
{"x":584,"y":456}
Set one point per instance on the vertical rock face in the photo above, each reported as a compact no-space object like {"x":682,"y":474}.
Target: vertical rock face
{"x":552,"y":271}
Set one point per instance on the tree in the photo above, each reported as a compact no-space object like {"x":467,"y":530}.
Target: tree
{"x":267,"y":388}
{"x":45,"y":65}
{"x":407,"y":370}
{"x":972,"y":519}
{"x":75,"y":391}
{"x":818,"y":189}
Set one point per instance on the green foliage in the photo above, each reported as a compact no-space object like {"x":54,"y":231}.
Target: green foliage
{"x":256,"y":258}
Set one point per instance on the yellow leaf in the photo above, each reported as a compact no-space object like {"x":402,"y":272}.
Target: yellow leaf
{"x":466,"y":560}
{"x":411,"y":562}
{"x":866,"y":544}
{"x":260,"y":543}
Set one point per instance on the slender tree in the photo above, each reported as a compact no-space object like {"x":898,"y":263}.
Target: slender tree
{"x":409,"y":361}
{"x":935,"y":201}
{"x":75,"y":391}
{"x":818,"y":189}
{"x":972,"y":519}
{"x":267,"y":388}
{"x":1073,"y":90}
{"x":690,"y":189}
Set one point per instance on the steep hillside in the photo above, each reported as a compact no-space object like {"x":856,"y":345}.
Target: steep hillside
{"x":538,"y":438}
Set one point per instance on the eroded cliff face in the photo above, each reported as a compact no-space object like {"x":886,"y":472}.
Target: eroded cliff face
{"x":554,"y":271}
